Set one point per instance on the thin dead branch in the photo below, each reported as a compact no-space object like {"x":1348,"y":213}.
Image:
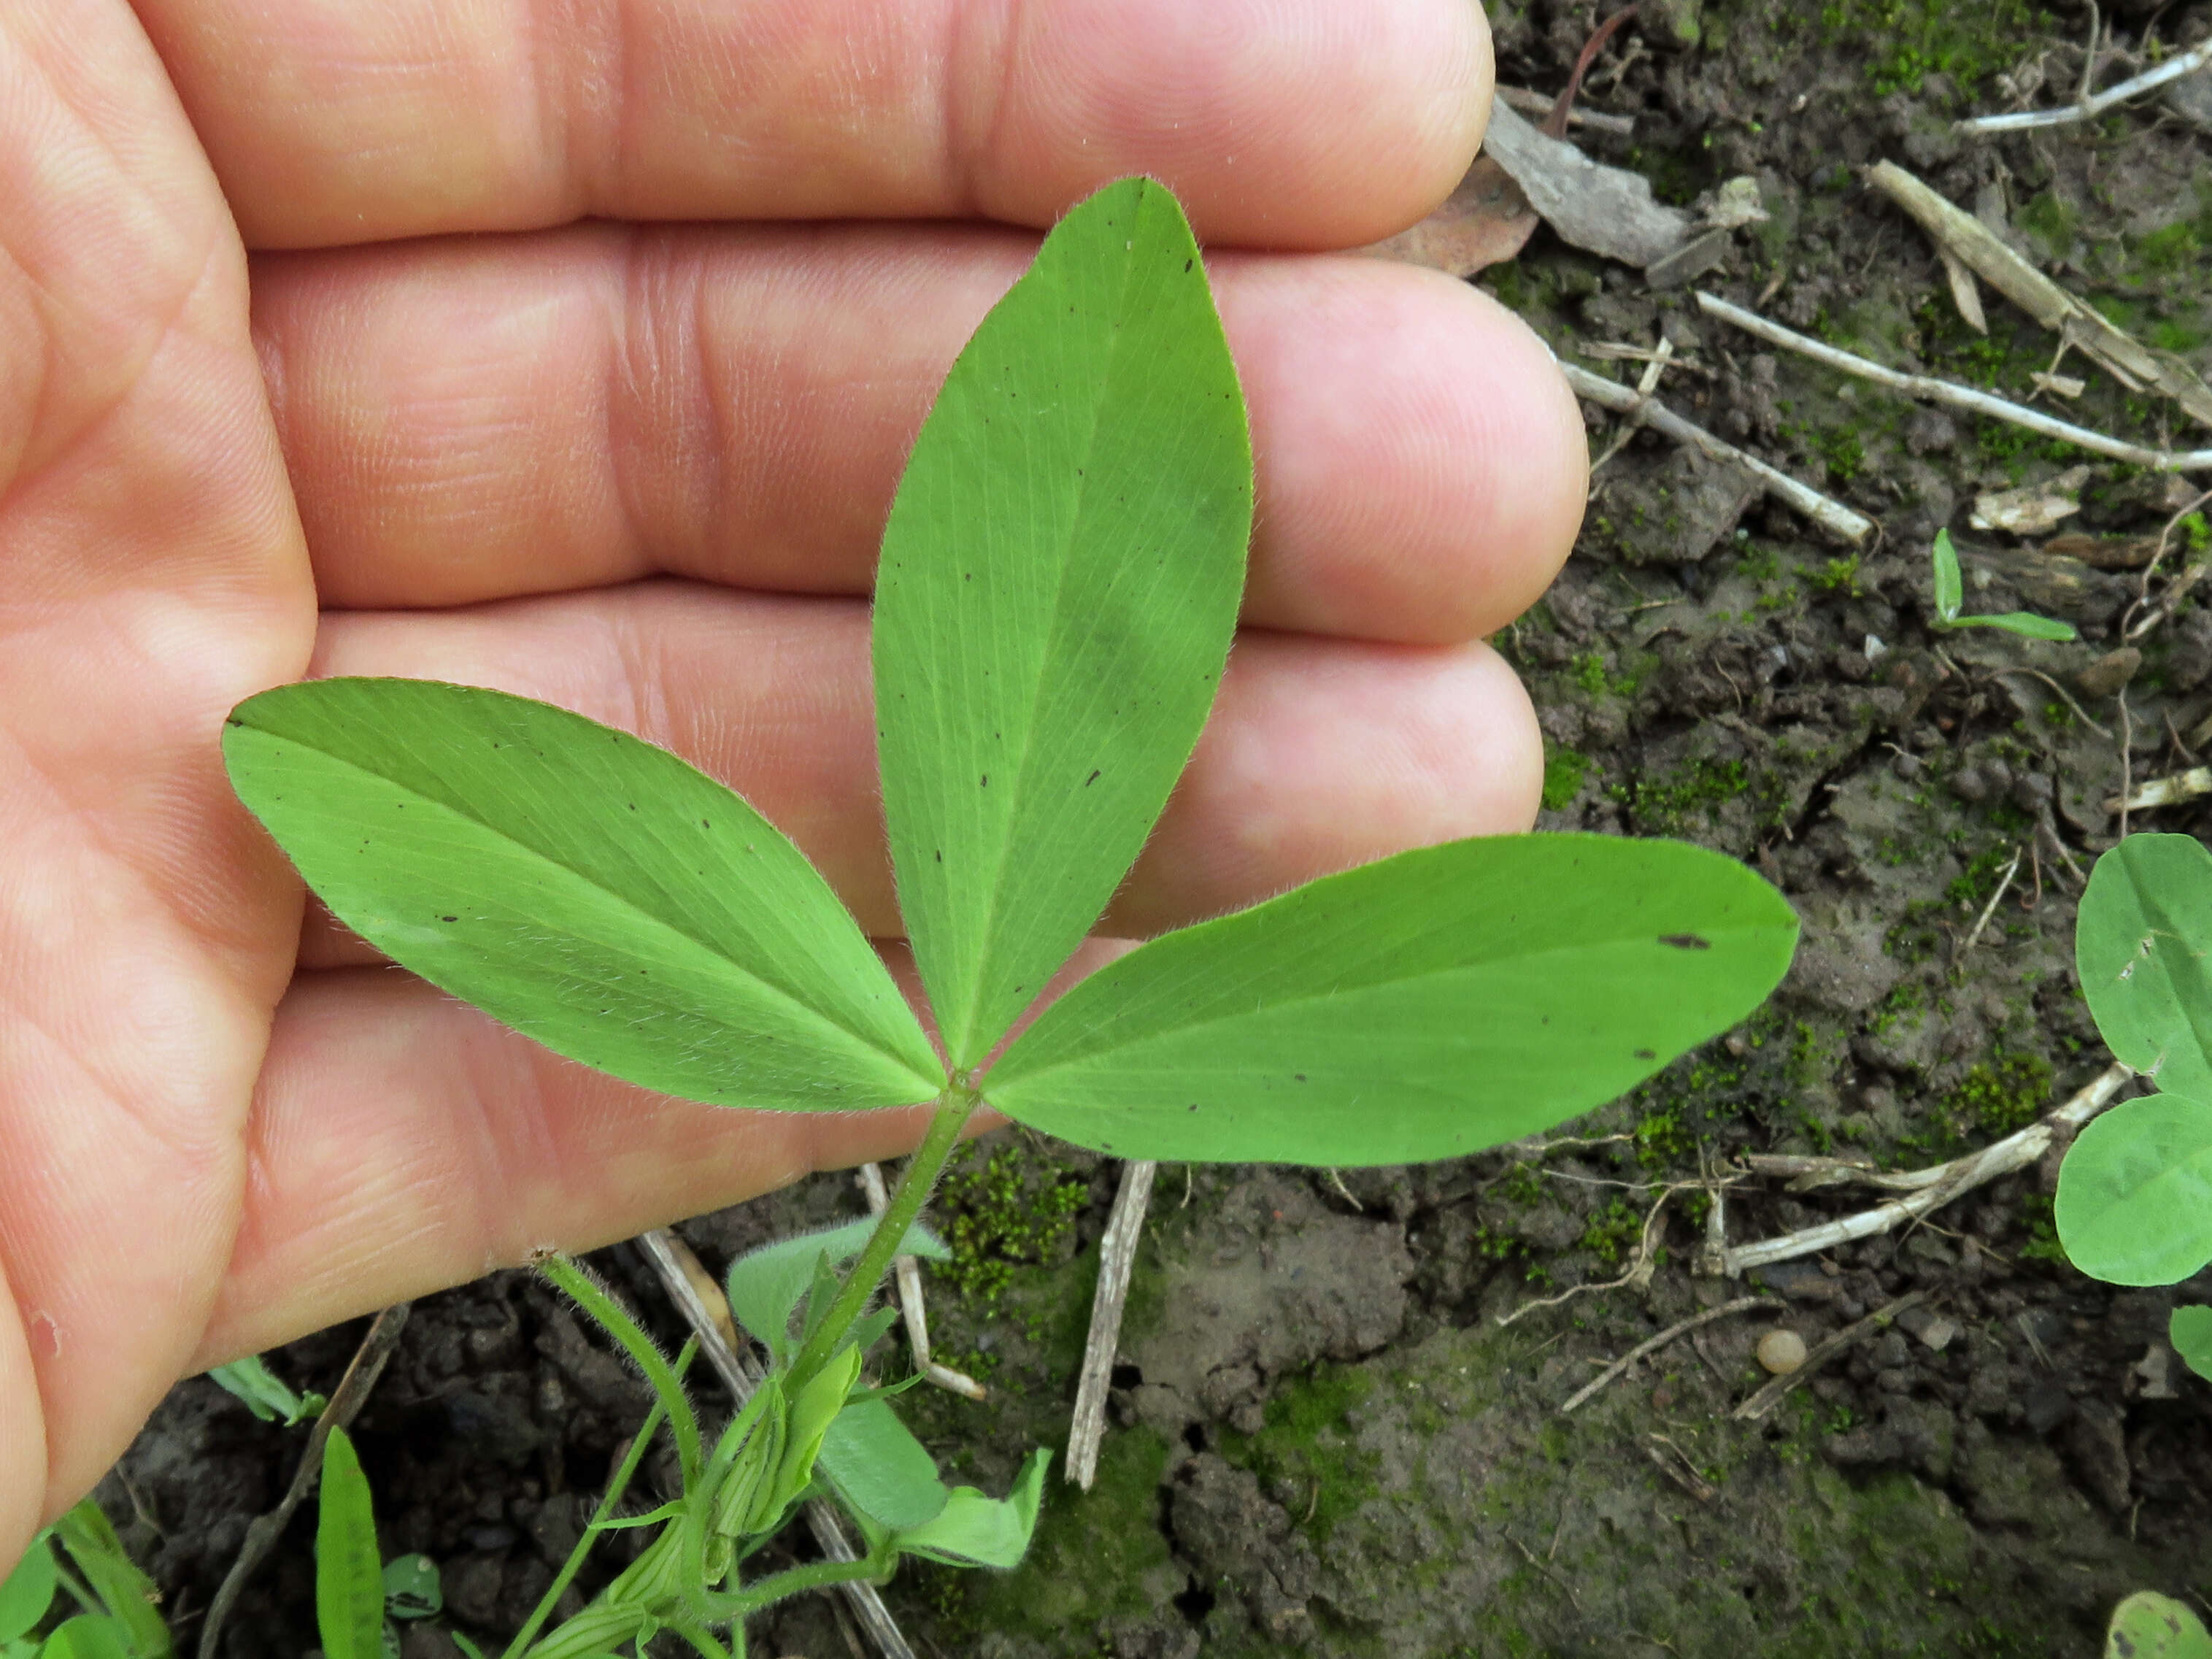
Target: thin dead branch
{"x":1637,"y":1276}
{"x":2078,"y":324}
{"x":2088,"y":107}
{"x":1770,"y":1395}
{"x":1931,"y":1189}
{"x":345,"y":1403}
{"x":1959,"y":396}
{"x":1530,"y":102}
{"x":681,"y":1274}
{"x":1852,"y":528}
{"x":1681,"y":1328}
{"x":2170,"y":790}
{"x":1989,"y":909}
{"x":1117,"y":1262}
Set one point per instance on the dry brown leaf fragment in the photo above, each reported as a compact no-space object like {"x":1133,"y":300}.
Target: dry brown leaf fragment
{"x":1485,"y":221}
{"x":2032,"y":510}
{"x":1603,"y":209}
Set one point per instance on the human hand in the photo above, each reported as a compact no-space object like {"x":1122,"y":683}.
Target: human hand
{"x":639,"y":470}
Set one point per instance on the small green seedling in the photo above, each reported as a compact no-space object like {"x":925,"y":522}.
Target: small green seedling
{"x":1059,"y":585}
{"x":359,"y":1596}
{"x":2135,"y":1193}
{"x":2148,"y":1626}
{"x":266,"y":1394}
{"x":116,"y":1617}
{"x":1951,"y":592}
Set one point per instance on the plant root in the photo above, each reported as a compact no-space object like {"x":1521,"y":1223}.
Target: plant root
{"x":1680,"y":1328}
{"x":1925,"y":1190}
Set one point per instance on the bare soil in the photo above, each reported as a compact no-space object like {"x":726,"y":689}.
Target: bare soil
{"x":1324,"y":1442}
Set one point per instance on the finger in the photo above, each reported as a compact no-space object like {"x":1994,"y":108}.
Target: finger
{"x":153,"y":574}
{"x":1321,"y":754}
{"x":1292,"y":123}
{"x":472,"y":421}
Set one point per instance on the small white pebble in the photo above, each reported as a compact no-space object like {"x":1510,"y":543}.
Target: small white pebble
{"x":1782,"y":1351}
{"x":1938,"y":1334}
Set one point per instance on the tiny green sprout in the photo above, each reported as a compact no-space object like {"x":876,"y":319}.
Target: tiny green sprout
{"x":264,"y":1393}
{"x":1058,"y":583}
{"x":1950,"y":594}
{"x":80,"y":1562}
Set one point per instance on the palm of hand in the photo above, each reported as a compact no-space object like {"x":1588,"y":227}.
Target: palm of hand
{"x":640,"y":472}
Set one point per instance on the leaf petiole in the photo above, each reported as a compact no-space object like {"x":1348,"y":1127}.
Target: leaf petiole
{"x":954,"y":1106}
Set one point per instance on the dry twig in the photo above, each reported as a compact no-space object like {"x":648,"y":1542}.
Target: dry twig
{"x":346,"y":1402}
{"x":1117,"y":1262}
{"x":1838,"y":520}
{"x":681,"y":1274}
{"x":1639,"y":1267}
{"x":1959,"y":396}
{"x":1770,"y":1395}
{"x":1989,"y":909}
{"x":1931,"y":1189}
{"x":2087,"y":106}
{"x":1680,"y":1328}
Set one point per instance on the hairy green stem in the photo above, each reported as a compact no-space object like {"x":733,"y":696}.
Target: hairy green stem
{"x":954,"y":1108}
{"x":617,"y":1485}
{"x":796,"y":1580}
{"x":592,"y":1297}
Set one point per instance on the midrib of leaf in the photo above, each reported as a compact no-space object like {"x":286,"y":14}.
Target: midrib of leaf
{"x":999,"y":883}
{"x":805,"y":1012}
{"x":1103,"y":1041}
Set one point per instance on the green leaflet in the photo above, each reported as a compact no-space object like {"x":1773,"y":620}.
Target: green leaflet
{"x":2190,"y":1330}
{"x":2135,"y":1194}
{"x":267,"y":1395}
{"x":348,"y":1573}
{"x":973,"y":1530}
{"x":2139,"y":944}
{"x":812,"y":1409}
{"x":128,"y":1594}
{"x":1059,"y":583}
{"x":1950,"y":591}
{"x":412,"y":1588}
{"x":27,"y":1591}
{"x":589,"y":890}
{"x":89,"y":1637}
{"x":879,"y":1470}
{"x":1421,"y":1007}
{"x":2148,"y":1626}
{"x":765,"y":1286}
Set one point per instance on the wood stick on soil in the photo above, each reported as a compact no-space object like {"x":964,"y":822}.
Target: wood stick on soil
{"x":1959,"y":396}
{"x":2089,"y":107}
{"x":1833,"y":516}
{"x":1932,"y":1187}
{"x":346,"y":1402}
{"x":1769,"y":1393}
{"x":2077,"y":323}
{"x":1117,"y":1261}
{"x":908,"y":1274}
{"x":1680,"y":1328}
{"x":2164,"y":792}
{"x":681,"y":1274}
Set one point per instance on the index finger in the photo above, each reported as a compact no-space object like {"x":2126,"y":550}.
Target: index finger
{"x":1294,"y":124}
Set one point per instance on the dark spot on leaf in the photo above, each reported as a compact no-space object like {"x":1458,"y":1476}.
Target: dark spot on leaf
{"x":1193,"y":1105}
{"x":1686,"y":941}
{"x":1297,"y":1077}
{"x":986,"y":784}
{"x":1186,"y":264}
{"x":1645,"y":1053}
{"x":703,"y":825}
{"x":940,"y":855}
{"x":1092,"y":779}
{"x":449,"y":918}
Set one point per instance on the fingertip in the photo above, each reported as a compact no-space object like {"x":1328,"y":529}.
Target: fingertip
{"x":1422,"y":464}
{"x":1281,"y":123}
